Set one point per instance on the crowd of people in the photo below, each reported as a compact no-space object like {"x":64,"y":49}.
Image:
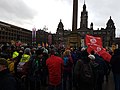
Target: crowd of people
{"x":50,"y":68}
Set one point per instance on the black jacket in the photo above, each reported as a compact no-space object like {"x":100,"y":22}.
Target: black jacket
{"x":7,"y":81}
{"x":115,"y":62}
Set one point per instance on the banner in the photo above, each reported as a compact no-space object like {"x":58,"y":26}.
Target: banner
{"x":96,"y":48}
{"x":106,"y":56}
{"x":95,"y":43}
{"x":91,"y":40}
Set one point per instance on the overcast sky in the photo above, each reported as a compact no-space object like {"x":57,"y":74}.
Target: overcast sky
{"x":40,"y":13}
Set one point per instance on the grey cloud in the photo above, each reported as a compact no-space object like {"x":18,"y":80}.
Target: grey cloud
{"x":103,"y":9}
{"x":15,"y":10}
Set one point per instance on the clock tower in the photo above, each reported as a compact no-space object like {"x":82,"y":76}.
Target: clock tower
{"x":84,"y":18}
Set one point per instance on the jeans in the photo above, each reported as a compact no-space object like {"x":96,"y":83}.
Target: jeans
{"x":67,"y":80}
{"x":117,"y":81}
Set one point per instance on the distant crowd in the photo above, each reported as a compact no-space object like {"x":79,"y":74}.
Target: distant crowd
{"x":52,"y":68}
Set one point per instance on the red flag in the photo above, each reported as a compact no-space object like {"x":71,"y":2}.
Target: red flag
{"x":95,"y":43}
{"x":96,"y":48}
{"x":89,"y":49}
{"x":105,"y":55}
{"x":91,"y":40}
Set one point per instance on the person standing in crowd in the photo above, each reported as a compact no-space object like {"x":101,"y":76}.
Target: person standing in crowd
{"x":101,"y":70}
{"x":16,"y":62}
{"x":67,"y":72}
{"x":15,"y":52}
{"x":74,"y":55}
{"x":83,"y":73}
{"x":94,"y":68}
{"x":23,"y":66}
{"x":4,"y":52}
{"x":115,"y":63}
{"x":55,"y":71}
{"x":36,"y":70}
{"x":7,"y":81}
{"x":44,"y":72}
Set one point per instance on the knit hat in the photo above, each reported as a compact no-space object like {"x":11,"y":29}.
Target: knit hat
{"x":3,"y":61}
{"x":27,"y":50}
{"x":92,"y":57}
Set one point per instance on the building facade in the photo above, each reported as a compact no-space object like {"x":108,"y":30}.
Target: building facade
{"x":41,"y":37}
{"x":62,"y":37}
{"x":14,"y":33}
{"x":107,"y":34}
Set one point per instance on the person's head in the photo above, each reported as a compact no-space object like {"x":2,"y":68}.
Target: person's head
{"x":71,"y":49}
{"x":117,"y":52}
{"x":84,"y":55}
{"x":33,"y":50}
{"x":39,"y":51}
{"x":27,"y":51}
{"x":3,"y":64}
{"x":52,"y":52}
{"x":67,"y":53}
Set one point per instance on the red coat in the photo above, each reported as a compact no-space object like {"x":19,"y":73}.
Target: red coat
{"x":55,"y":69}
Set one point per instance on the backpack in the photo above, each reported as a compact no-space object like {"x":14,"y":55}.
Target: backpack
{"x":66,"y":60}
{"x":23,"y":62}
{"x":86,"y":73}
{"x":36,"y":66}
{"x":102,"y":66}
{"x":11,"y":66}
{"x":20,"y":66}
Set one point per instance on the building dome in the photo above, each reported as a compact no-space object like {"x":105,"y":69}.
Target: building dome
{"x":110,"y":21}
{"x":60,"y":25}
{"x":84,"y":7}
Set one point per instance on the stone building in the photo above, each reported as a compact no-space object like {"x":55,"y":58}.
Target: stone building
{"x":60,"y":38}
{"x":41,"y":36}
{"x":107,"y":34}
{"x":14,"y":33}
